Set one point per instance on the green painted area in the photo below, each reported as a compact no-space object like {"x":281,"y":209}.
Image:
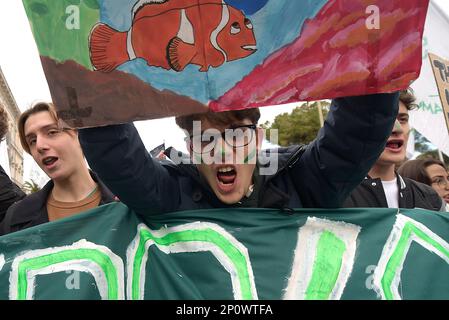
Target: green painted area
{"x":250,"y":156}
{"x":40,"y":262}
{"x":327,"y":266}
{"x":269,"y":237}
{"x":398,"y":256}
{"x":198,"y":158}
{"x":54,"y":39}
{"x":237,"y":258}
{"x":433,"y":108}
{"x":425,"y":44}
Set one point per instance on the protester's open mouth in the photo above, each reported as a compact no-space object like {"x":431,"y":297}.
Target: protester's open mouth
{"x":49,"y":161}
{"x":395,"y":145}
{"x":226,"y":177}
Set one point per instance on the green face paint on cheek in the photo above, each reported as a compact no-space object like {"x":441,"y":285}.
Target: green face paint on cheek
{"x":198,"y":158}
{"x":250,"y":156}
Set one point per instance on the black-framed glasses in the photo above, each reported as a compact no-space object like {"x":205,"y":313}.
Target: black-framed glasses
{"x":441,"y":182}
{"x":235,"y":137}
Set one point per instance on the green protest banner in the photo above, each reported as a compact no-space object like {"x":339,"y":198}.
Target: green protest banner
{"x":111,"y":253}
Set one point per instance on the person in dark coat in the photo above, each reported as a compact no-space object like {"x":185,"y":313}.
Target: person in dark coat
{"x":319,"y":175}
{"x":384,"y":187}
{"x":9,"y":191}
{"x":56,"y":149}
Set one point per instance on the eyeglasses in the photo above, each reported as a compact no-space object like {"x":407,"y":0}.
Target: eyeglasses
{"x":235,"y":137}
{"x":441,"y":182}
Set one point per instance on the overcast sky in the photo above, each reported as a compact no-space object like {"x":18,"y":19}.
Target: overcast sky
{"x":19,"y":60}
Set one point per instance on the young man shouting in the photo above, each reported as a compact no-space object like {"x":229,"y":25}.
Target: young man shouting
{"x":320,"y":175}
{"x":384,"y":187}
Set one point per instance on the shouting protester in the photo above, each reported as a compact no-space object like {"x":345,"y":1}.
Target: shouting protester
{"x":321,"y":174}
{"x":384,"y":187}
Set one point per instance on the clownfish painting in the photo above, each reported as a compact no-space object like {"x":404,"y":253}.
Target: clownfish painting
{"x":172,"y":34}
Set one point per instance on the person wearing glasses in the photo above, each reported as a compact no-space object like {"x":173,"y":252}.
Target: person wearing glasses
{"x":431,"y":172}
{"x":225,"y":170}
{"x":56,"y":149}
{"x":386,"y":188}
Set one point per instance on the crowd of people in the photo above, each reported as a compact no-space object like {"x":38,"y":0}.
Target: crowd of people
{"x":356,"y":160}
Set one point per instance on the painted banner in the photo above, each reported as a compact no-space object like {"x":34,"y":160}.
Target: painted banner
{"x":441,"y":72}
{"x":429,"y":118}
{"x":244,"y":254}
{"x":116,"y":61}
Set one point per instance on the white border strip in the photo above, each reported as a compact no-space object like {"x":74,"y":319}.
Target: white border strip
{"x":390,"y":247}
{"x":303,"y":263}
{"x":83,"y":265}
{"x":191,"y":246}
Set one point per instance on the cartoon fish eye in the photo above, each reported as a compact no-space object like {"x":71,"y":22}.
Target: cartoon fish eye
{"x":248,"y":24}
{"x":235,"y":28}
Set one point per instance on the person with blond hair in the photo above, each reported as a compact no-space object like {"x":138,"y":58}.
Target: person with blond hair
{"x":56,"y":149}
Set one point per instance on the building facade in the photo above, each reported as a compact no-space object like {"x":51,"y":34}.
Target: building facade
{"x":15,"y":150}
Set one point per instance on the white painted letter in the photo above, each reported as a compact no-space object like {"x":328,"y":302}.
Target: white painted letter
{"x":73,"y":20}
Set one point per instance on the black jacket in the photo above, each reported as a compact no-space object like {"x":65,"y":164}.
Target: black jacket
{"x":321,"y":174}
{"x":32,"y":210}
{"x":412,"y":194}
{"x":9,"y":193}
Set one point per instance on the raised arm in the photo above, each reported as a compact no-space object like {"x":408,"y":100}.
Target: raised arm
{"x":118,"y":155}
{"x":353,"y":137}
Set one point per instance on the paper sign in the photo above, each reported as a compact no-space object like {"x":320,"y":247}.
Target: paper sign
{"x":441,"y":71}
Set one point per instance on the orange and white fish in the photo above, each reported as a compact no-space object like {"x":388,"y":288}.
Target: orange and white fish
{"x":172,"y":34}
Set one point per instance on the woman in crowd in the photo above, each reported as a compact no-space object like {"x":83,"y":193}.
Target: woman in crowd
{"x":431,"y":172}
